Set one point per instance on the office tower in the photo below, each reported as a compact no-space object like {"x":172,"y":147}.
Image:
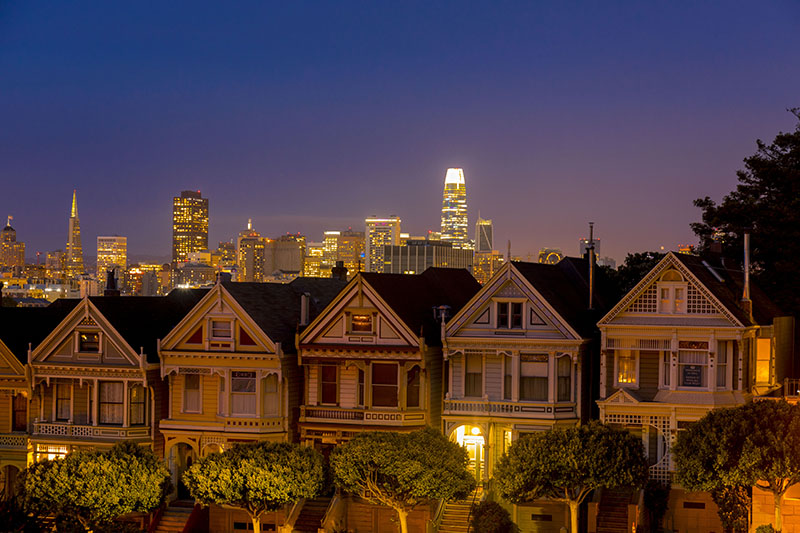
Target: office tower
{"x":350,"y":251}
{"x":330,"y":248}
{"x":112,"y":252}
{"x":55,"y":264}
{"x":313,"y":261}
{"x":227,"y":255}
{"x":379,"y":232}
{"x":584,"y":246}
{"x":74,"y":259}
{"x":417,"y":255}
{"x":285,"y":255}
{"x":454,"y":209}
{"x":189,"y":225}
{"x":550,"y":256}
{"x":483,"y":235}
{"x":12,"y":251}
{"x":250,"y":253}
{"x":485,"y":264}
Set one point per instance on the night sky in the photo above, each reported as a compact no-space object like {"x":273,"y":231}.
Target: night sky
{"x":309,"y":116}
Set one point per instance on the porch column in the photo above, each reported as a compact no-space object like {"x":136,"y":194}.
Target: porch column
{"x":515,"y":371}
{"x":126,"y":406}
{"x":71,"y":401}
{"x":96,"y":402}
{"x":552,"y":377}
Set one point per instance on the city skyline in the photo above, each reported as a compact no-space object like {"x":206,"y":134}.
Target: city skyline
{"x":643,"y":113}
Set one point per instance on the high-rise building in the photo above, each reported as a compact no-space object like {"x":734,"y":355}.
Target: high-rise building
{"x":350,"y":251}
{"x":454,"y":209}
{"x":12,"y":251}
{"x":584,"y":246}
{"x":380,"y":232}
{"x":485,"y":264}
{"x":417,"y":255}
{"x":250,"y":250}
{"x":484,"y":238}
{"x":112,"y":252}
{"x":313,"y":262}
{"x":74,"y":258}
{"x":189,"y":225}
{"x":285,"y":255}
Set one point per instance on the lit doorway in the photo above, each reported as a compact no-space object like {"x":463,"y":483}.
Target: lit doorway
{"x":471,"y":438}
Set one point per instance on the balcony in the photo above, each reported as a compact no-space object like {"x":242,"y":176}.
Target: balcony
{"x":509,"y":409}
{"x":230,"y":424}
{"x":362,"y":417}
{"x":75,"y":431}
{"x":13,"y":441}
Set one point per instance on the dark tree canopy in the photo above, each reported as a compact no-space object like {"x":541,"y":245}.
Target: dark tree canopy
{"x":751,"y":445}
{"x":257,"y":477}
{"x":766,"y":202}
{"x":568,"y":464}
{"x":402,"y":470}
{"x":632,"y":270}
{"x":96,"y":487}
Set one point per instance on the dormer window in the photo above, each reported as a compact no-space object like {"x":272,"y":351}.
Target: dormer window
{"x":361,"y":323}
{"x":672,"y":293}
{"x":221,"y":329}
{"x":509,"y":315}
{"x":89,"y":342}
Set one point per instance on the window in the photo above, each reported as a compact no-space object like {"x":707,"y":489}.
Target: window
{"x":20,"y":413}
{"x":723,"y":348}
{"x":412,"y":387}
{"x":507,"y":377}
{"x":221,"y":397}
{"x":509,"y":315}
{"x":665,"y":368}
{"x":221,"y":329}
{"x":533,"y":377}
{"x":191,"y":393}
{"x":693,"y":364}
{"x":112,"y":402}
{"x":138,"y":405}
{"x":88,"y":342}
{"x":626,"y":367}
{"x":361,"y":323}
{"x":63,"y":397}
{"x":564,"y":372}
{"x":360,"y":387}
{"x":243,"y":393}
{"x":384,"y":385}
{"x":270,"y":396}
{"x":473,"y":374}
{"x":672,"y":292}
{"x":327,"y":392}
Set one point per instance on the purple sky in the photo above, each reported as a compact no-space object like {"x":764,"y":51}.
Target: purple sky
{"x":308,"y":116}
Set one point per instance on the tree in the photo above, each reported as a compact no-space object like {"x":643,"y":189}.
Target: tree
{"x":96,"y":487}
{"x":402,"y":470}
{"x":567,"y":464}
{"x":766,"y":203}
{"x":754,"y":444}
{"x":257,"y":477}
{"x":631,"y":272}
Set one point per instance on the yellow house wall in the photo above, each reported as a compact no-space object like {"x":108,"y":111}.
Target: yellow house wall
{"x":523,"y":516}
{"x":764,"y":509}
{"x":5,"y":412}
{"x":221,"y":520}
{"x":209,"y":390}
{"x":680,"y":519}
{"x":366,"y":518}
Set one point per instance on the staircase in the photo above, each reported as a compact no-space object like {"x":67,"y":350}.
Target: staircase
{"x":174,"y":518}
{"x":455,"y":518}
{"x":612,"y":512}
{"x":311,"y":515}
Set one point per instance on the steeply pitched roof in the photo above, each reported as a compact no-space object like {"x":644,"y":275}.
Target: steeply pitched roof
{"x":275,"y":307}
{"x":729,"y":291}
{"x":565,"y":286}
{"x":413,"y":297}
{"x":142,"y":320}
{"x":21,"y":326}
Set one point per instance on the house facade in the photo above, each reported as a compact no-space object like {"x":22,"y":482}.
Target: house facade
{"x":518,"y":359}
{"x":690,"y":337}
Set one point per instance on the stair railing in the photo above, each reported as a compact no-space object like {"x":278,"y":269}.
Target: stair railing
{"x":333,"y":515}
{"x":438,"y":514}
{"x":472,"y":505}
{"x":294,"y":513}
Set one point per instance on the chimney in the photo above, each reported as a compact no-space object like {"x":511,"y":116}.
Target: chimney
{"x":111,"y":284}
{"x":339,"y":271}
{"x":305,"y":300}
{"x":591,"y":265}
{"x":747,"y":303}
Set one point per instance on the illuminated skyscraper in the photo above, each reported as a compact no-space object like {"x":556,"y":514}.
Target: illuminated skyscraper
{"x":250,"y":249}
{"x":454,"y":209}
{"x":380,"y":232}
{"x":74,"y":258}
{"x":12,"y":251}
{"x":189,"y":225}
{"x":112,"y":252}
{"x":483,"y":235}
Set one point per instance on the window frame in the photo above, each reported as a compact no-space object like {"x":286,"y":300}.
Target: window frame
{"x":417,"y":386}
{"x":635,"y":356}
{"x":59,"y":399}
{"x":467,"y":390}
{"x":15,"y":411}
{"x":543,"y":358}
{"x":508,"y":318}
{"x":351,"y":323}
{"x":212,"y":331}
{"x":79,"y":341}
{"x":143,"y":404}
{"x":184,"y":396}
{"x":396,"y":385}
{"x":101,"y":402}
{"x":322,"y":383}
{"x":568,"y":377}
{"x":252,"y":377}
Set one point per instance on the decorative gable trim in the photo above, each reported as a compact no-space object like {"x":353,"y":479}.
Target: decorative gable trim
{"x":622,"y":396}
{"x":669,"y":261}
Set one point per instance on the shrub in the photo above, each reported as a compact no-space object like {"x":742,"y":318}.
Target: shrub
{"x":490,"y":517}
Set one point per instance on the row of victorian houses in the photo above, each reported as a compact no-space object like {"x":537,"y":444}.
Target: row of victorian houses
{"x":318,"y":360}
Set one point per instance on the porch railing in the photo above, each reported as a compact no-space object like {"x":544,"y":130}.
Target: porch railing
{"x":361,"y":416}
{"x":508,"y":408}
{"x":51,"y":429}
{"x":13,"y":441}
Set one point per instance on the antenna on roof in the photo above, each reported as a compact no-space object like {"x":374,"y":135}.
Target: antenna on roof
{"x":590,"y":249}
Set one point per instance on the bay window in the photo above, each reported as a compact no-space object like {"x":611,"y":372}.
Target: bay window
{"x":191,"y":393}
{"x":112,"y":402}
{"x":138,"y":405}
{"x":20,"y":413}
{"x":564,"y":373}
{"x":533,"y":379}
{"x":243,"y":393}
{"x":271,"y":399}
{"x":473,"y":374}
{"x":626,"y":367}
{"x":63,"y":400}
{"x":328,"y":384}
{"x":412,"y":387}
{"x":384,"y":384}
{"x":693,"y":364}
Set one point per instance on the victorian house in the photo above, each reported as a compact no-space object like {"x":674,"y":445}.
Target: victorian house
{"x":95,"y":379}
{"x":373,"y":358}
{"x":519,"y":358}
{"x":691,"y":336}
{"x":20,"y":329}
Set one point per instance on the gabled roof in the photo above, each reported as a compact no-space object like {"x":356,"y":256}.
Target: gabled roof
{"x":565,"y":286}
{"x":413,"y":297}
{"x":729,"y":290}
{"x":275,"y":307}
{"x":21,"y":326}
